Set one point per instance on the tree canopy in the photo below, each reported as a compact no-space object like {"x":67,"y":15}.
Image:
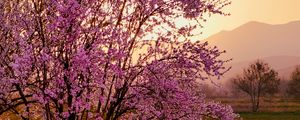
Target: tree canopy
{"x":294,"y":83}
{"x":91,"y":59}
{"x":257,"y":80}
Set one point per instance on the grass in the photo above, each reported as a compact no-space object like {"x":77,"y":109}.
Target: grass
{"x":270,"y":115}
{"x":266,"y":104}
{"x":271,"y":108}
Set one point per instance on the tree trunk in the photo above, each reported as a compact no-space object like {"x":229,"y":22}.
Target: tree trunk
{"x":72,"y":116}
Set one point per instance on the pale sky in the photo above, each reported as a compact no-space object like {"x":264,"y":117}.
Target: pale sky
{"x":243,"y":11}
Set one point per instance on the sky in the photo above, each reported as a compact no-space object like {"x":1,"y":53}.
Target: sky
{"x":243,"y":11}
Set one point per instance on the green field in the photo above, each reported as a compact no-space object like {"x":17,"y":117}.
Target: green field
{"x":270,"y":115}
{"x":270,"y":108}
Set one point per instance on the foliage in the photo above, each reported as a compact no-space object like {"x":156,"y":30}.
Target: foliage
{"x":294,"y":83}
{"x":257,"y":80}
{"x":77,"y":59}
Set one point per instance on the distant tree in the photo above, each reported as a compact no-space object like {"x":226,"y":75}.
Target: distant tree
{"x":294,"y":84}
{"x":257,"y":80}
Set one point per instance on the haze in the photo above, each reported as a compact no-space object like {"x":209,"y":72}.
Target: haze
{"x":243,"y":11}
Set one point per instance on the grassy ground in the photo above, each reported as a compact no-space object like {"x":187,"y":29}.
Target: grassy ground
{"x":266,"y":104}
{"x":270,"y":115}
{"x":270,"y":108}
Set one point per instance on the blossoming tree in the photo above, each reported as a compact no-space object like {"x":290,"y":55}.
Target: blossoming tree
{"x":92,"y":59}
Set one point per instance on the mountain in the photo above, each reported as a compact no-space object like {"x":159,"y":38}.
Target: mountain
{"x":279,"y":45}
{"x":255,"y":40}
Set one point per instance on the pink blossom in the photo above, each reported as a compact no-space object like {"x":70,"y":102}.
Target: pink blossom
{"x":71,"y":58}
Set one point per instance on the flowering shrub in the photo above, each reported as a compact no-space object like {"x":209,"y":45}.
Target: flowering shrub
{"x":89,"y":59}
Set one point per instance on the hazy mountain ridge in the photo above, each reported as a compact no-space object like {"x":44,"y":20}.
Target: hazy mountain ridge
{"x":279,"y":45}
{"x":258,"y":40}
